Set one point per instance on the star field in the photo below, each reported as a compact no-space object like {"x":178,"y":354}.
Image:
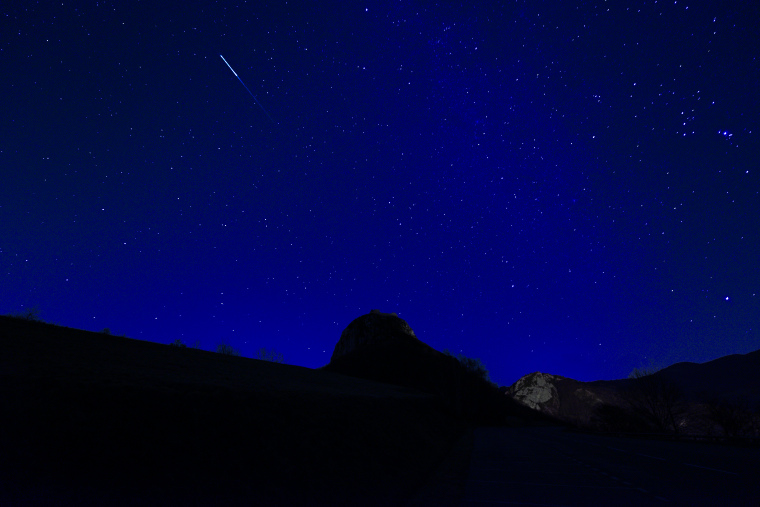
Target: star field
{"x":569,"y":187}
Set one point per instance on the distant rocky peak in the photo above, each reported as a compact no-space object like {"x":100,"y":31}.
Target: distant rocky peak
{"x":373,"y":327}
{"x":538,"y":391}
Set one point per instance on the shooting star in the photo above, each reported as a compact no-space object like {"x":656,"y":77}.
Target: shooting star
{"x":249,"y":91}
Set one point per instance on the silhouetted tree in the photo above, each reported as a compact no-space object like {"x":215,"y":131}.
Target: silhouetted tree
{"x":474,"y":366}
{"x":32,"y":314}
{"x":471,"y":364}
{"x":272,"y":356}
{"x":227,"y":350}
{"x":656,"y":399}
{"x":734,"y":417}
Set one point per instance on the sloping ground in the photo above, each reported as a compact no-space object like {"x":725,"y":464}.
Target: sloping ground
{"x":93,"y":419}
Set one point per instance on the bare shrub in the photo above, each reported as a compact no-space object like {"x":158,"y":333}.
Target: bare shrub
{"x":227,"y":350}
{"x":655,"y":399}
{"x":272,"y":356}
{"x":734,"y":417}
{"x":32,"y":314}
{"x":473,"y":365}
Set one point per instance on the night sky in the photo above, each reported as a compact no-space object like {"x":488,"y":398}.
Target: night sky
{"x":558,"y":186}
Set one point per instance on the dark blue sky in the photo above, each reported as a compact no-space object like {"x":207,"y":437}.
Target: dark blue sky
{"x":570,"y":187}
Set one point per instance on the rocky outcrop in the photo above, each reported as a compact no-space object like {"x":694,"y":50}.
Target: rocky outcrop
{"x":538,"y":392}
{"x":371,"y":328}
{"x":564,"y":398}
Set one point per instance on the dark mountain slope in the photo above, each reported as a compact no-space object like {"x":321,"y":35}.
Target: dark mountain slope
{"x":733,"y":376}
{"x":93,"y":419}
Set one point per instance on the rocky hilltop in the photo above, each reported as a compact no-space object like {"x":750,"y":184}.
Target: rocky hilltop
{"x":373,"y":328}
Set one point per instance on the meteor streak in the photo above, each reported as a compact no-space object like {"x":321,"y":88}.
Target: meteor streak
{"x":249,"y":91}
{"x":230,"y":66}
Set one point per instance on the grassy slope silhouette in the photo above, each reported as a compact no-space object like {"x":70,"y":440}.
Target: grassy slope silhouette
{"x":91,"y":418}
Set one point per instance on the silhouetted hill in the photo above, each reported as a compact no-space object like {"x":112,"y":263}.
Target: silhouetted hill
{"x":94,"y":419}
{"x":735,"y":376}
{"x":383,"y":347}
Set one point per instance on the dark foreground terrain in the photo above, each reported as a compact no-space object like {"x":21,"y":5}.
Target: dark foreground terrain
{"x":552,"y":466}
{"x":93,"y":419}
